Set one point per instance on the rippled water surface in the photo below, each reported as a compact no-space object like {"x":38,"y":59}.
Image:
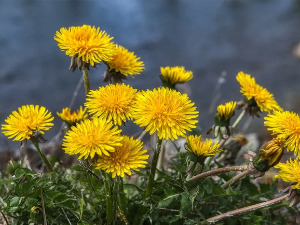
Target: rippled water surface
{"x":208,"y":37}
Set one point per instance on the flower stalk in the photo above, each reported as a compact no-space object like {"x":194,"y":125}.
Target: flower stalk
{"x":238,"y":120}
{"x":237,"y":177}
{"x":121,"y":196}
{"x":86,"y":80}
{"x":42,"y":155}
{"x":216,"y":171}
{"x":153,"y":168}
{"x":108,"y":195}
{"x":248,"y":209}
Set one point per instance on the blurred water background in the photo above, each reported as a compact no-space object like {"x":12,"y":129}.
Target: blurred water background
{"x":212,"y":38}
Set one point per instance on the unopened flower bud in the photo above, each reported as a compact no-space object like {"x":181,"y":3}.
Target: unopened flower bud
{"x":269,"y":155}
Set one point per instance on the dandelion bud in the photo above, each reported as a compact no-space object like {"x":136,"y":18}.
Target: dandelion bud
{"x":269,"y":155}
{"x":201,"y":149}
{"x":222,"y":119}
{"x":170,"y":76}
{"x":71,"y":118}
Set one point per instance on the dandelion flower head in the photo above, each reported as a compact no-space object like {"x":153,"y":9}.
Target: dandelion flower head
{"x":125,"y":158}
{"x":226,"y":111}
{"x":285,"y":125}
{"x":114,"y":102}
{"x":166,"y":111}
{"x":195,"y":145}
{"x":252,"y":91}
{"x":90,"y":137}
{"x":176,"y":74}
{"x":125,"y":62}
{"x":72,"y":118}
{"x":22,"y":124}
{"x":290,"y":172}
{"x":88,"y":43}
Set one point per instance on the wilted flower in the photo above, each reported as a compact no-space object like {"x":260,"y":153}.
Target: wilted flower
{"x":269,"y":155}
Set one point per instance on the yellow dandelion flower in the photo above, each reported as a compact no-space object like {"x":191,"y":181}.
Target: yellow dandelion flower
{"x":71,"y":118}
{"x":23,"y":124}
{"x":91,"y":137}
{"x":125,"y":158}
{"x":90,"y":44}
{"x":254,"y":92}
{"x":226,"y":111}
{"x":195,"y":145}
{"x":125,"y":62}
{"x":113,"y":102}
{"x":174,"y":75}
{"x":287,"y":126}
{"x":166,"y":111}
{"x":290,"y":172}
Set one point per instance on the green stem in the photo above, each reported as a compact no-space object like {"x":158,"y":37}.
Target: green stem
{"x":86,"y":80}
{"x":160,"y":158}
{"x":3,"y":215}
{"x":121,"y":196}
{"x":153,"y":168}
{"x":42,"y":155}
{"x":238,"y":120}
{"x":108,"y":196}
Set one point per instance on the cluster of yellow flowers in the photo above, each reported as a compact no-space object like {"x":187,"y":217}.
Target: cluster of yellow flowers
{"x":96,"y":129}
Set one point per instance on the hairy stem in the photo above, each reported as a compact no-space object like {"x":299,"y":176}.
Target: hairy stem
{"x":43,"y":207}
{"x":237,"y":177}
{"x":86,"y":80}
{"x":108,"y":196}
{"x":217,"y":171}
{"x":247,"y":209}
{"x":42,"y":155}
{"x":238,"y":120}
{"x":153,"y":168}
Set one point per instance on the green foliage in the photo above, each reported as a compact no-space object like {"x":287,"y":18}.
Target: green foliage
{"x":77,"y":196}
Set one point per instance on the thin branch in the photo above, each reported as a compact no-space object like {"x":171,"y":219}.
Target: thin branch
{"x":75,"y":94}
{"x":66,"y":216}
{"x":3,"y":215}
{"x":217,"y":171}
{"x":237,"y":177}
{"x":248,"y":209}
{"x":142,"y":135}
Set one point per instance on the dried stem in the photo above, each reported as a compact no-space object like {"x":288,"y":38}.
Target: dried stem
{"x":237,"y":177}
{"x":217,"y":171}
{"x":248,"y":209}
